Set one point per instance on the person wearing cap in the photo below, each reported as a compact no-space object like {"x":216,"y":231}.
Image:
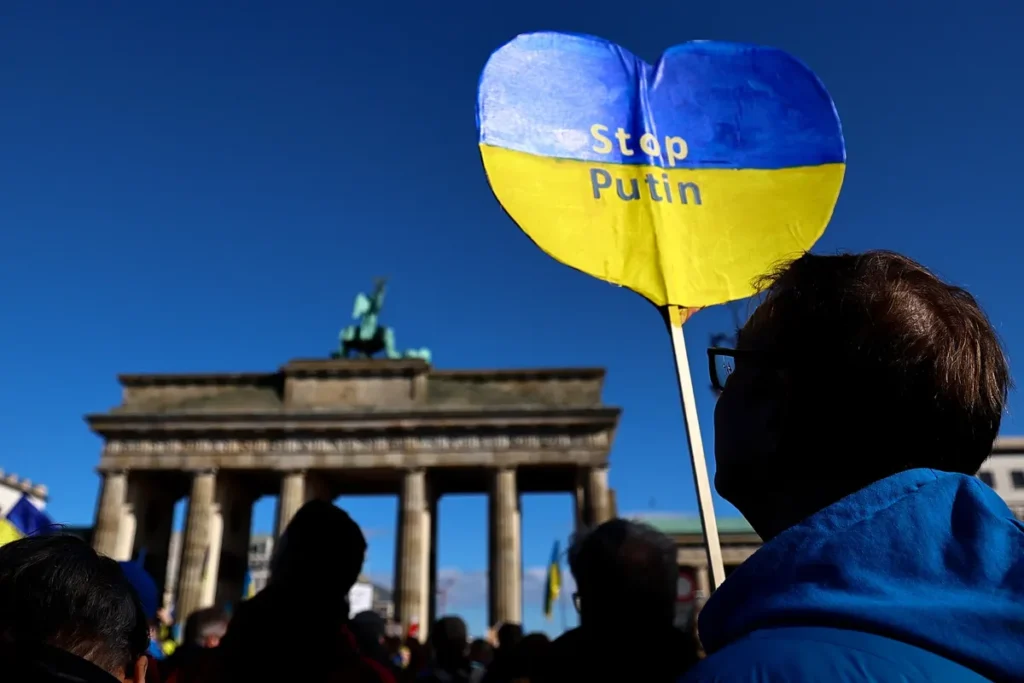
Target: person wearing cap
{"x":449,"y":644}
{"x":369,"y":630}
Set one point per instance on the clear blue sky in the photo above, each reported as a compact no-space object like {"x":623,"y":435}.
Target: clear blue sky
{"x":187,"y":188}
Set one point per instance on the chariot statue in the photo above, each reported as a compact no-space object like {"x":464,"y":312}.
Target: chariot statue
{"x":367,"y":337}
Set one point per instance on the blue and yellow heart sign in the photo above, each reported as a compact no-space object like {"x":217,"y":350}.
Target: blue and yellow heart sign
{"x":683,"y":181}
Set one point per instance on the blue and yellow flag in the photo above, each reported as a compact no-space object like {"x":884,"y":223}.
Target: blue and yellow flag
{"x":8,"y":532}
{"x":23,"y":519}
{"x":250,"y":587}
{"x":554,"y":583}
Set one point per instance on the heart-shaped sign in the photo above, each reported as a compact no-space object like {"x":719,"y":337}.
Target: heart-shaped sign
{"x":684,"y":181}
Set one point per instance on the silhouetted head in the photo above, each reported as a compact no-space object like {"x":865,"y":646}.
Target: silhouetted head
{"x":626,"y":573}
{"x":56,"y":591}
{"x":449,"y":639}
{"x":481,"y":652}
{"x":322,"y":550}
{"x":418,"y":657}
{"x":509,"y":635}
{"x":530,"y":656}
{"x":206,"y":627}
{"x":369,"y":630}
{"x":854,"y":367}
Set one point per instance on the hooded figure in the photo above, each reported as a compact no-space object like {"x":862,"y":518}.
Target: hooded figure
{"x":863,"y":395}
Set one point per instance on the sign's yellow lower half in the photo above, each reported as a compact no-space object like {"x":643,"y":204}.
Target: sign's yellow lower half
{"x":689,"y":237}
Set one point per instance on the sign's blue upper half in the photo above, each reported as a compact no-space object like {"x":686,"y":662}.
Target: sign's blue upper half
{"x":734,"y":105}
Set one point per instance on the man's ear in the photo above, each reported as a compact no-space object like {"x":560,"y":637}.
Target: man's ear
{"x":138,"y":675}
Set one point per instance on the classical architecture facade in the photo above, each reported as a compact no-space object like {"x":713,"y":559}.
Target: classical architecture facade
{"x":325,"y":428}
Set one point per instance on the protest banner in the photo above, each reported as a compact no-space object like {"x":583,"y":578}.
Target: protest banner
{"x":683,"y":181}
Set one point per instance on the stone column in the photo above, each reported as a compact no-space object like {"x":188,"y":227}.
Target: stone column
{"x":703,"y":584}
{"x":126,"y":530}
{"x":598,"y":500}
{"x":317,"y":488}
{"x":109,"y":513}
{"x":432,"y":614}
{"x":196,"y":546}
{"x":579,"y":496}
{"x":211,"y":563}
{"x":293,"y":495}
{"x":235,"y":512}
{"x":506,"y":570}
{"x":412,"y":575}
{"x":426,"y":573}
{"x":595,"y":502}
{"x":297,"y":489}
{"x":146,"y":527}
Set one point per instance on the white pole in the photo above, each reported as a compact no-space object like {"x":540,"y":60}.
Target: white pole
{"x":677,"y":316}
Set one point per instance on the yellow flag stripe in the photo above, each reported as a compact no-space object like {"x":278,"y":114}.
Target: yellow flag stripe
{"x":8,"y":532}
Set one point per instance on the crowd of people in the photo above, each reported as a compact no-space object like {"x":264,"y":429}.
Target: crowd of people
{"x":861,"y":399}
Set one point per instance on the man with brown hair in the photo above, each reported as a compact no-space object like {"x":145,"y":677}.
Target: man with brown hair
{"x":862,"y":397}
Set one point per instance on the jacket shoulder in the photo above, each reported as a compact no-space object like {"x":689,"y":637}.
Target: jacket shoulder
{"x":799,"y":654}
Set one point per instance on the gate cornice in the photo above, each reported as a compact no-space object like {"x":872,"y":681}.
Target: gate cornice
{"x":114,"y":425}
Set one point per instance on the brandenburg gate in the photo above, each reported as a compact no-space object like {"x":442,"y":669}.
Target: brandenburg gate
{"x":327,"y":428}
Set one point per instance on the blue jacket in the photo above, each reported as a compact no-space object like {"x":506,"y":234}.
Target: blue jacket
{"x":918,"y":577}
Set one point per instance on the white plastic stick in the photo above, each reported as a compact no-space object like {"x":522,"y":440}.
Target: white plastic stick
{"x":677,"y":316}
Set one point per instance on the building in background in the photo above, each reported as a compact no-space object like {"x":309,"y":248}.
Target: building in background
{"x":13,"y":487}
{"x":739,"y":541}
{"x":1004,"y":472}
{"x":324,"y":428}
{"x":261,"y":548}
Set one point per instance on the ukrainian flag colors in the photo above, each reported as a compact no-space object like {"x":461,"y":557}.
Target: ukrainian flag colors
{"x":683,"y":181}
{"x":554,"y":583}
{"x":23,"y":519}
{"x":8,"y":532}
{"x":250,"y":587}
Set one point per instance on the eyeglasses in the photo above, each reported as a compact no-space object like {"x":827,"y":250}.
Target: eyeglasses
{"x":721,"y":363}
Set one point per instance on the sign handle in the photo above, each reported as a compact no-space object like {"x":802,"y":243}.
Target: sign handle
{"x":677,"y":315}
